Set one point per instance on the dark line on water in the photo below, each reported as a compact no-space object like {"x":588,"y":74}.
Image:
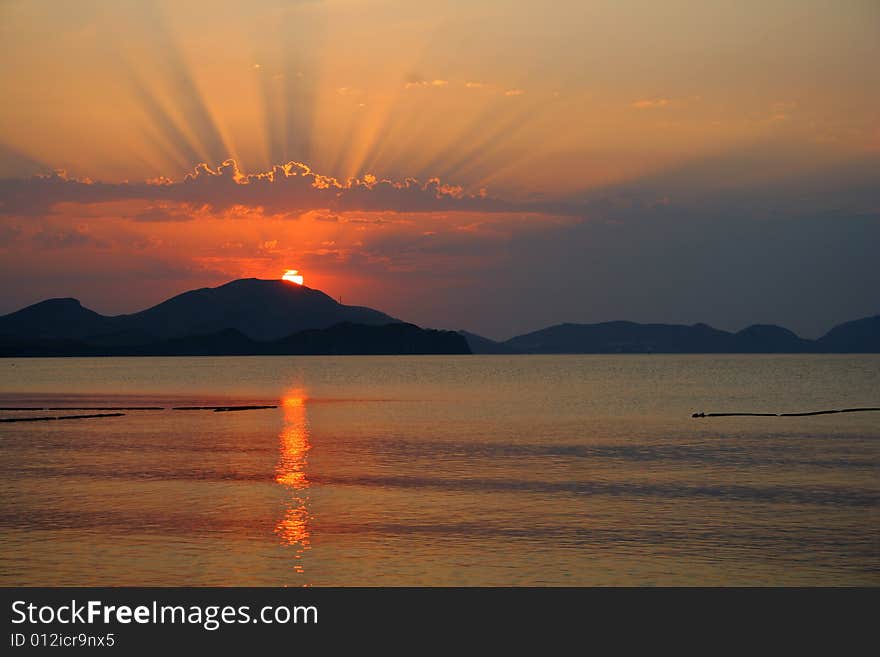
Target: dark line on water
{"x":808,"y":413}
{"x":224,"y":409}
{"x":59,"y":417}
{"x":82,"y":408}
{"x":220,"y":409}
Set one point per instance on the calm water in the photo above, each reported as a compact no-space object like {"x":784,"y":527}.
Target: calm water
{"x":530,"y":470}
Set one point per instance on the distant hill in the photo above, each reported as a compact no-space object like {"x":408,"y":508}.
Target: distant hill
{"x":355,"y":339}
{"x":858,"y":336}
{"x":244,"y":317}
{"x":767,"y":338}
{"x":252,"y":316}
{"x":55,"y":319}
{"x":633,"y":338}
{"x":340,"y":339}
{"x":480,"y":345}
{"x":622,"y":337}
{"x":259,"y":309}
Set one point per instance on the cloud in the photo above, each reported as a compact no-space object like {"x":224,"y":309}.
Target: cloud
{"x":514,"y":92}
{"x":286,"y":188}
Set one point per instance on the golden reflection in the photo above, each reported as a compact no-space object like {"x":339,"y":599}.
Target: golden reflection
{"x":293,"y":528}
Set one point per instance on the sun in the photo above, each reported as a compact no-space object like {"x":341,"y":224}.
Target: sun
{"x":293,"y":276}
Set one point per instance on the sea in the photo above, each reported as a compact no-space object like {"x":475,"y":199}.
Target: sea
{"x":441,"y":471}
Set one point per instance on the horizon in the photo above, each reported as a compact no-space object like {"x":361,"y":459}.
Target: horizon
{"x":710,"y":171}
{"x":500,"y":340}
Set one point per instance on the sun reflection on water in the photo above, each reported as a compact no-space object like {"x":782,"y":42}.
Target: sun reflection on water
{"x":293,"y":528}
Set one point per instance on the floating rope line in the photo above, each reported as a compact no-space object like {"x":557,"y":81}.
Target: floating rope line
{"x":82,"y":408}
{"x":220,"y":409}
{"x":59,"y":417}
{"x":842,"y":410}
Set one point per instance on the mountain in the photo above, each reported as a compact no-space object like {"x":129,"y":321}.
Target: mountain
{"x":55,"y":319}
{"x":769,"y":339}
{"x":228,"y":342}
{"x":339,"y":339}
{"x":37,"y":346}
{"x":354,"y":339}
{"x":254,"y":317}
{"x":243,"y":317}
{"x":860,"y":336}
{"x":623,"y":338}
{"x":857,"y":336}
{"x":259,"y":309}
{"x":480,"y":345}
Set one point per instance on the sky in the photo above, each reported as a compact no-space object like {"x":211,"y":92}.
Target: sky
{"x":495,"y":166}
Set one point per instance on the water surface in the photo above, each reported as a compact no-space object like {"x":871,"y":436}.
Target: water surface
{"x":470,"y":470}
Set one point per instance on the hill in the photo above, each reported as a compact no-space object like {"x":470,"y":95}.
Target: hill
{"x":340,"y":339}
{"x":253,"y":316}
{"x":480,"y":345}
{"x":857,"y":336}
{"x":259,"y":309}
{"x":860,"y":336}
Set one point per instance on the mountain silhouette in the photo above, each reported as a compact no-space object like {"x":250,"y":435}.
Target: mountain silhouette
{"x":243,"y":317}
{"x":340,"y":339}
{"x":767,"y":338}
{"x":355,"y":339}
{"x":54,"y":318}
{"x":259,"y":309}
{"x":857,"y":336}
{"x":480,"y":345}
{"x":263,"y":317}
{"x":622,"y":337}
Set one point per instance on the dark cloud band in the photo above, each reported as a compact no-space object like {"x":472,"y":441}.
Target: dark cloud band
{"x":285,"y":188}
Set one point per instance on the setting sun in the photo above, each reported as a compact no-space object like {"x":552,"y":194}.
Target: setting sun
{"x":293,"y":276}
